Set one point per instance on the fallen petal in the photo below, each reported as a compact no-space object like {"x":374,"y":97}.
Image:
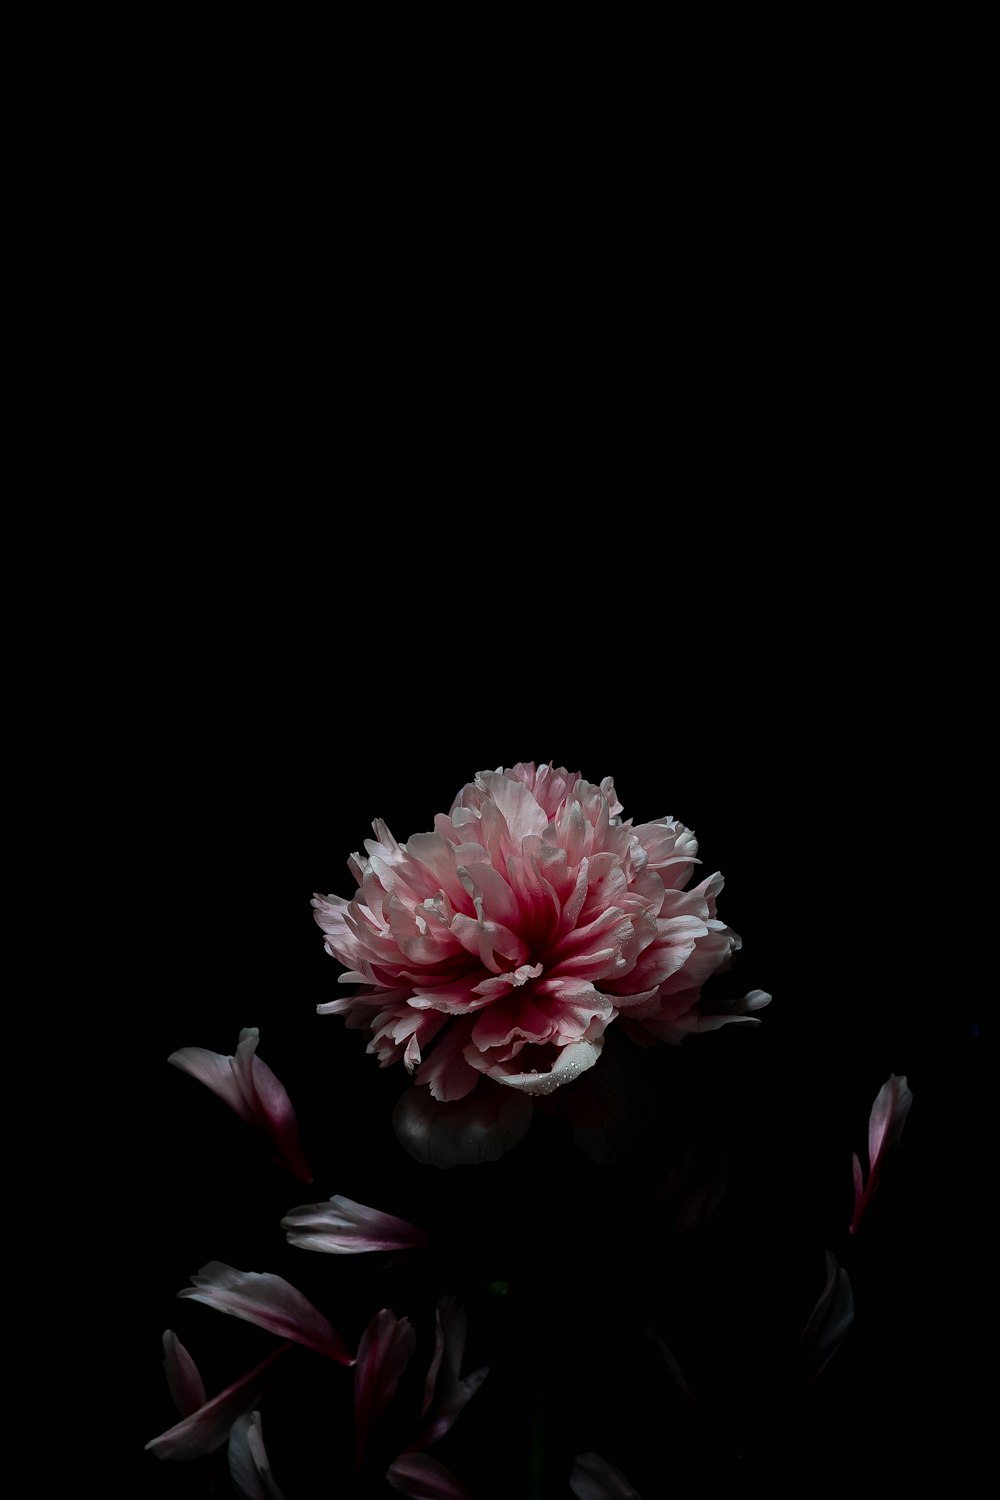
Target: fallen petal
{"x":250,"y":1088}
{"x":207,"y":1429}
{"x":446,"y":1391}
{"x":885,"y":1127}
{"x":385,"y":1350}
{"x":249,"y":1468}
{"x":269,"y":1301}
{"x":829,"y":1320}
{"x":424,"y":1478}
{"x":343,"y":1227}
{"x":186,"y":1385}
{"x":593,"y":1478}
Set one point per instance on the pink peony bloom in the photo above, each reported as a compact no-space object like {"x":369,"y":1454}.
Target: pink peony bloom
{"x":250,"y":1088}
{"x":269,"y":1301}
{"x":207,"y":1424}
{"x":885,"y":1126}
{"x":500,"y":947}
{"x":343,"y":1227}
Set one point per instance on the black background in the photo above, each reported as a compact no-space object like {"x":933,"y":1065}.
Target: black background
{"x":802,"y":763}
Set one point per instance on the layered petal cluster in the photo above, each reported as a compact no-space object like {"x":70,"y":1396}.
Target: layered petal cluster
{"x":503,"y":944}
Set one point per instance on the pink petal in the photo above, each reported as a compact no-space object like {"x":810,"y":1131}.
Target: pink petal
{"x":250,"y":1088}
{"x":216,"y":1073}
{"x":343,"y":1227}
{"x":424,"y":1478}
{"x":481,"y":1127}
{"x":593,"y":1478}
{"x":385,"y":1350}
{"x":269,"y":1301}
{"x":186,"y":1385}
{"x":446,"y":1391}
{"x":885,"y":1127}
{"x":249,"y":1468}
{"x":207,"y":1429}
{"x":829,"y":1321}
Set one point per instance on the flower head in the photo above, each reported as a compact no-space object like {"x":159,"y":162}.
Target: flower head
{"x":502,"y":945}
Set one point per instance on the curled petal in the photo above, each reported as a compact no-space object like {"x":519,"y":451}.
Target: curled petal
{"x":343,"y":1227}
{"x":481,"y":1127}
{"x":593,"y":1478}
{"x":385,"y":1350}
{"x":250,"y":1089}
{"x":885,"y":1127}
{"x":249,"y":1468}
{"x":185,"y":1382}
{"x":424,"y":1478}
{"x":269,"y":1301}
{"x":568,"y":1063}
{"x":207,"y":1428}
{"x":829,"y":1320}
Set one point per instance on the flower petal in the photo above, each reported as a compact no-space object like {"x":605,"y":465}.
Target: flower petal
{"x":207,"y":1428}
{"x":216,"y":1073}
{"x":186,"y":1385}
{"x":568,"y":1064}
{"x":424,"y":1478}
{"x":269,"y":1301}
{"x":250,"y":1088}
{"x":248,"y":1463}
{"x":385,"y":1350}
{"x":446,"y":1391}
{"x":829,"y":1320}
{"x":343,"y":1227}
{"x":481,"y":1127}
{"x":885,"y":1127}
{"x":593,"y":1478}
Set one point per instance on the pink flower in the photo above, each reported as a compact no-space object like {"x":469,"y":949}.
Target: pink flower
{"x":500,"y":947}
{"x":885,"y":1126}
{"x":269,"y":1301}
{"x":250,"y":1088}
{"x":207,"y":1424}
{"x":343,"y":1227}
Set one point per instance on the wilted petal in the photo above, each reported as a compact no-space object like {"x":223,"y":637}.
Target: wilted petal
{"x":269,"y":1301}
{"x":829,"y":1320}
{"x":343,"y":1227}
{"x":446,"y":1390}
{"x":593,"y":1478}
{"x":250,"y":1088}
{"x":186,"y":1385}
{"x":207,"y":1428}
{"x":385,"y":1350}
{"x":478,"y":1128}
{"x":424,"y":1478}
{"x":885,"y":1126}
{"x":248,"y":1464}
